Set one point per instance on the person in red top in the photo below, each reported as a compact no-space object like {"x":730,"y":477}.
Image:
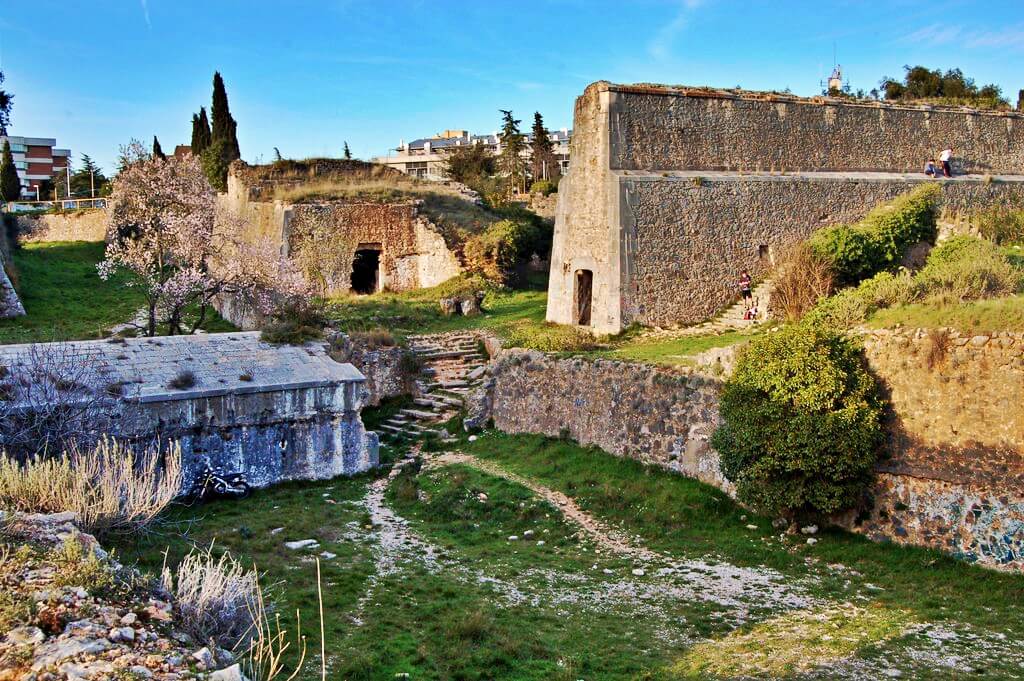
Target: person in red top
{"x":744,"y":283}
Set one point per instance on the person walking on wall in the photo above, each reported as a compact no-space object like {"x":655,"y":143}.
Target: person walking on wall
{"x":945,"y":158}
{"x":744,"y":283}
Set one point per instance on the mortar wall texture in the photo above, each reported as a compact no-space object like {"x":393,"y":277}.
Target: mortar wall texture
{"x":274,"y":413}
{"x":662,"y":128}
{"x":952,"y":477}
{"x":323,"y":237}
{"x":670,"y":193}
{"x":80,"y":225}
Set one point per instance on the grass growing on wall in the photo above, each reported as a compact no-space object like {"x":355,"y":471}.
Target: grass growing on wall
{"x":65,"y":299}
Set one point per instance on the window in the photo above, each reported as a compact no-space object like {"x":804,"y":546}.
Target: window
{"x":18,"y":148}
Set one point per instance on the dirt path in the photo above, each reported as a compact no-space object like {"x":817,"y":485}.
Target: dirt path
{"x":728,"y":585}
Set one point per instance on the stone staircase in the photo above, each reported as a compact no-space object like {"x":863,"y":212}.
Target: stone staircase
{"x":451,"y":365}
{"x":732,"y":317}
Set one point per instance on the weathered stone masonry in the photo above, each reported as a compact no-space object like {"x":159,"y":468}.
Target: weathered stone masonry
{"x":673,"y":191}
{"x":274,"y":413}
{"x":954,"y":477}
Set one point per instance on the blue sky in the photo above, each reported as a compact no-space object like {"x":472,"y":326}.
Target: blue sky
{"x":307,"y":76}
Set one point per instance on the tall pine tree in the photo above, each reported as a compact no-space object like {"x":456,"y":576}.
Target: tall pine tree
{"x":158,"y":152}
{"x":348,"y":154}
{"x":200,"y":132}
{"x":543,"y":164}
{"x":10,"y":185}
{"x":510,"y":161}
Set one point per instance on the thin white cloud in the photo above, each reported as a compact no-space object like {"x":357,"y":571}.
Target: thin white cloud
{"x":660,"y":45}
{"x":145,"y":13}
{"x":1010,"y":37}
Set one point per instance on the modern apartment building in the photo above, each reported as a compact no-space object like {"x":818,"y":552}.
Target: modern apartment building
{"x":426,"y":157}
{"x":36,"y":159}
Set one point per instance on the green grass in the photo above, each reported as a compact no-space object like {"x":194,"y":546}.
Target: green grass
{"x":517,"y":317}
{"x":65,"y":299}
{"x":981,"y":316}
{"x":456,"y":620}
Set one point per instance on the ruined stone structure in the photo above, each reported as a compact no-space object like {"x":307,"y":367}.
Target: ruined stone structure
{"x":10,"y":303}
{"x":673,"y":191}
{"x":954,"y":475}
{"x":274,"y":413}
{"x":357,"y":245}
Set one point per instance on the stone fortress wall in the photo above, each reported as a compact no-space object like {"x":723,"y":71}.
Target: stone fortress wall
{"x":673,"y":191}
{"x":327,"y":233}
{"x":954,"y":476}
{"x":275,"y":413}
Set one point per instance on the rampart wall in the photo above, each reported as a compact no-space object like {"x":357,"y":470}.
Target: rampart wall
{"x":673,"y":191}
{"x":953,"y":475}
{"x":79,"y":225}
{"x":665,"y":128}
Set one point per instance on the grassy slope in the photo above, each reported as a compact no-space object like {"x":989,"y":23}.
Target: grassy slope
{"x":507,"y":313}
{"x":65,"y":299}
{"x":447,"y":624}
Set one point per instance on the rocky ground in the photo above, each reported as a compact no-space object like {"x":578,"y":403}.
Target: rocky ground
{"x":70,"y":611}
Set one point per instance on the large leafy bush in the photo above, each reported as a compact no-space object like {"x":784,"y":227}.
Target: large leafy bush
{"x":968,"y":268}
{"x":801,"y":424}
{"x":877,"y":242}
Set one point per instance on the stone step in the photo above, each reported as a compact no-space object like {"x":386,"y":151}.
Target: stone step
{"x":418,"y":414}
{"x":424,"y":402}
{"x":448,"y":385}
{"x":390,"y":429}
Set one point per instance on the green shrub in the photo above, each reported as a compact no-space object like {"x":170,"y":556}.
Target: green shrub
{"x":495,"y":252}
{"x":545,"y":187}
{"x":1000,"y":224}
{"x":852,"y":306}
{"x":878,"y":242}
{"x":801,"y":423}
{"x":968,"y":268}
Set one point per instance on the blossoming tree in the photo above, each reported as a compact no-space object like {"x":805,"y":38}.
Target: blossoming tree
{"x":161,"y":229}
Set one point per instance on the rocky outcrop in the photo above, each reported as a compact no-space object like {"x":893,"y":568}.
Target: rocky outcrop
{"x":73,"y":613}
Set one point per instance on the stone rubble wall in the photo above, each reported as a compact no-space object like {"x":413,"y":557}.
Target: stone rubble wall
{"x":632,"y":410}
{"x":663,"y":128}
{"x":953,"y":477}
{"x":133,"y":632}
{"x":686,"y":238}
{"x":79,"y":225}
{"x":385,"y":368}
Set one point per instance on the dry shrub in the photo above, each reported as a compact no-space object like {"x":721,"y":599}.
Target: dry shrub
{"x":268,"y":641}
{"x":110,"y":488}
{"x":938,"y":347}
{"x":374,"y":338}
{"x":216,"y":596}
{"x":803,"y":278}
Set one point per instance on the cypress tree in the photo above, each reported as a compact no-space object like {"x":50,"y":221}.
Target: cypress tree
{"x":10,"y":185}
{"x":510,"y":160}
{"x":158,"y":152}
{"x":1020,"y":100}
{"x":200,"y":132}
{"x":542,"y":152}
{"x":223,"y":126}
{"x":348,"y":154}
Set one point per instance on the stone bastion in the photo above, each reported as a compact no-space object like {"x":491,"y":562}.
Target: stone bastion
{"x":673,"y":191}
{"x":274,"y":413}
